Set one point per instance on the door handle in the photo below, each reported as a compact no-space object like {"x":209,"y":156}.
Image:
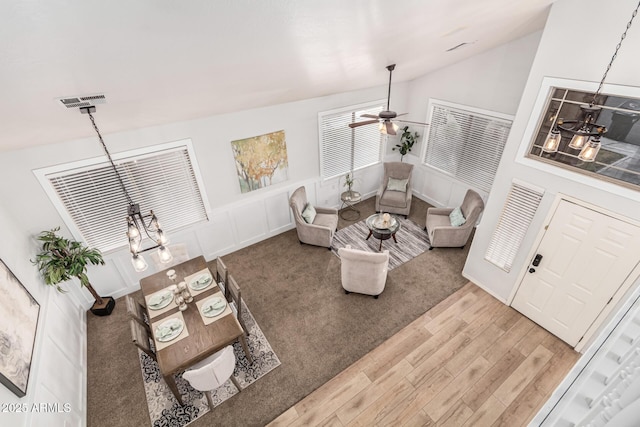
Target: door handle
{"x":536,"y":261}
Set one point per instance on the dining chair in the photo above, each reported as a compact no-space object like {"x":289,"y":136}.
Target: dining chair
{"x":140,"y":338}
{"x":136,"y":311}
{"x":222,"y":277}
{"x":212,"y":372}
{"x":236,"y":302}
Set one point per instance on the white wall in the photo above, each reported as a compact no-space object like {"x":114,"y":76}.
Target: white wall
{"x":58,"y":369}
{"x":560,"y":54}
{"x":493,"y":80}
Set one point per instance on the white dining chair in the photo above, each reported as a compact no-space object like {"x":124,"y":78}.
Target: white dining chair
{"x":213,"y":372}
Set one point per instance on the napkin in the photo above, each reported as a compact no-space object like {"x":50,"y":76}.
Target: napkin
{"x":166,"y":330}
{"x":213,"y":305}
{"x":157,"y":300}
{"x":203,"y":279}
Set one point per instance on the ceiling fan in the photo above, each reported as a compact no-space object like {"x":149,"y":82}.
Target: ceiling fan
{"x":386,"y":118}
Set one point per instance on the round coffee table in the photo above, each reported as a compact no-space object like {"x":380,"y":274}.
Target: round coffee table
{"x":382,"y":231}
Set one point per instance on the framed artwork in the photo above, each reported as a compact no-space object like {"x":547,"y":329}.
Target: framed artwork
{"x":261,"y":161}
{"x":19,"y":313}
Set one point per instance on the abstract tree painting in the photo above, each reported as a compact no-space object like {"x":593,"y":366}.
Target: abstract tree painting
{"x":18,"y":321}
{"x":260,"y":160}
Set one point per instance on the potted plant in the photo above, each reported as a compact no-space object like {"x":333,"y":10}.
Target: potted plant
{"x":62,"y":259}
{"x":407,"y":140}
{"x":348,"y":181}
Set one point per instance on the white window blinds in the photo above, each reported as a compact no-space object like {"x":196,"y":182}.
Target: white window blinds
{"x":93,"y":199}
{"x":517,"y":213}
{"x":342,"y":148}
{"x":466,"y":143}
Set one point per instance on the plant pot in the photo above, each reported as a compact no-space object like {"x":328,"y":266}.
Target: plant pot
{"x":104,"y":309}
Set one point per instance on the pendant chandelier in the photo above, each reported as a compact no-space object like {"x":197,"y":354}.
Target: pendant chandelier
{"x":137,"y":223}
{"x":586,"y":132}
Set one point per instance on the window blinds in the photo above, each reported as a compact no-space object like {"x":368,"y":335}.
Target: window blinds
{"x":163,"y":181}
{"x":343,"y":149}
{"x":466,"y":144}
{"x":517,"y":213}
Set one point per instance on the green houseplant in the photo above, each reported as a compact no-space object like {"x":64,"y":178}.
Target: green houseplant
{"x":62,"y":259}
{"x":407,"y":140}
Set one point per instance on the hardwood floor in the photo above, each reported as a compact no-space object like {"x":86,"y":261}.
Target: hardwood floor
{"x":469,"y":361}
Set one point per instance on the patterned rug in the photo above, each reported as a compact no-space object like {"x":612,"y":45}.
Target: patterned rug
{"x":164,"y":409}
{"x":412,"y":241}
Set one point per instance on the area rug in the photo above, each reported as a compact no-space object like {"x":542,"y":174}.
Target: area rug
{"x":412,"y":241}
{"x":164,"y":409}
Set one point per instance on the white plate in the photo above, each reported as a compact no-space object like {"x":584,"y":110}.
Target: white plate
{"x":212,"y":307}
{"x":169,"y":329}
{"x":160,"y":300}
{"x":200,"y":282}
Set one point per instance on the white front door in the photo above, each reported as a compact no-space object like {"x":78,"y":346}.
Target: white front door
{"x":586,"y":256}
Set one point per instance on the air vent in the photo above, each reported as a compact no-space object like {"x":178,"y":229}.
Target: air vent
{"x":82,"y":101}
{"x":458,"y":46}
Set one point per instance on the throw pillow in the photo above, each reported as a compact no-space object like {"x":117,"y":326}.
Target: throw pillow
{"x":456,"y":217}
{"x":397,"y":184}
{"x":309,"y":213}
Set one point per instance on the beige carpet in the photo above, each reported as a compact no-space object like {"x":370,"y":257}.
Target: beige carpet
{"x":295,"y":296}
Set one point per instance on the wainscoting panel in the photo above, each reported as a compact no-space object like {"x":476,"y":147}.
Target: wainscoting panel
{"x":217,"y":236}
{"x":250,"y":220}
{"x":278,"y":212}
{"x":55,"y":415}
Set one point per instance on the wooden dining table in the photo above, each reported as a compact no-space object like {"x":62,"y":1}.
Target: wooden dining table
{"x":201,"y":340}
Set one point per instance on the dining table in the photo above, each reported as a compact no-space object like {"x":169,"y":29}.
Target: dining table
{"x":196,"y":332}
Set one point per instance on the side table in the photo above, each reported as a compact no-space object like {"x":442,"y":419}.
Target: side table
{"x":349,"y":199}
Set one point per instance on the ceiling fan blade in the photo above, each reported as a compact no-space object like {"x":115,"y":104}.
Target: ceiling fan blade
{"x":403,"y":114}
{"x":390,"y":129}
{"x":367,"y":122}
{"x":371,"y":116}
{"x":415,"y":123}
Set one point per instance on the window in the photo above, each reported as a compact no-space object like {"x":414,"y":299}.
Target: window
{"x":518,"y":211}
{"x":618,"y":159}
{"x":88,"y":195}
{"x":343,"y":149}
{"x":466,"y":143}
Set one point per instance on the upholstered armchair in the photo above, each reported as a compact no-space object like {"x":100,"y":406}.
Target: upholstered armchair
{"x":444,"y":235}
{"x":363,"y":272}
{"x":322,"y":223}
{"x":394,"y":194}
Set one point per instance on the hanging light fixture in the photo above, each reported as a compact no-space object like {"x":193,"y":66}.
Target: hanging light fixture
{"x":586,"y":132}
{"x":137,"y":223}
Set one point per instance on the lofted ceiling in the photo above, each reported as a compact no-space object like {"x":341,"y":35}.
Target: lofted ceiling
{"x":162,"y":61}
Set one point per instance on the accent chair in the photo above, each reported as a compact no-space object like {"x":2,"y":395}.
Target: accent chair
{"x":442,"y":234}
{"x":320,"y":228}
{"x":363,"y":272}
{"x":394,"y":194}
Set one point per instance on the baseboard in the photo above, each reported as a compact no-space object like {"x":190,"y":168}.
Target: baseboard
{"x":484,"y":288}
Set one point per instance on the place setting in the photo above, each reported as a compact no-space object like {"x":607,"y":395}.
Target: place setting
{"x":213,"y":308}
{"x":200,"y":281}
{"x":169,"y":330}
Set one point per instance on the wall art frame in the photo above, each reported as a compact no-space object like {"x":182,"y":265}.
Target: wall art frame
{"x":18,"y":327}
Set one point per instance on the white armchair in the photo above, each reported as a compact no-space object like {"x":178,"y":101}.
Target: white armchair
{"x":363,"y":272}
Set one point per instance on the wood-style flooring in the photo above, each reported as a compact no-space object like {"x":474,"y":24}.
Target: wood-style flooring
{"x":469,"y":361}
